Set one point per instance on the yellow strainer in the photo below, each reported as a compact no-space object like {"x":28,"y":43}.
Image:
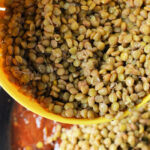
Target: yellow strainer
{"x":33,"y":106}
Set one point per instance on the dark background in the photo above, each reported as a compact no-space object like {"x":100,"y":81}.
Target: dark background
{"x":6,"y":103}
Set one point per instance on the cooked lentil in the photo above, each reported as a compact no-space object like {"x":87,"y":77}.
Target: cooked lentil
{"x":132,"y":132}
{"x":89,"y":56}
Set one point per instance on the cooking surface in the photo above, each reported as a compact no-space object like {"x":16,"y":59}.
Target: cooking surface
{"x":30,"y":131}
{"x":27,"y":130}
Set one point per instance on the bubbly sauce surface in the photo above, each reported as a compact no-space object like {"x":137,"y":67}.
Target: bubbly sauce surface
{"x":30,"y":131}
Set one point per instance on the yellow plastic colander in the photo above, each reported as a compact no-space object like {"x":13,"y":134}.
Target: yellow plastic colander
{"x":33,"y":106}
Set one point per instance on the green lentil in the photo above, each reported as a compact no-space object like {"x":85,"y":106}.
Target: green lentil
{"x":93,"y":55}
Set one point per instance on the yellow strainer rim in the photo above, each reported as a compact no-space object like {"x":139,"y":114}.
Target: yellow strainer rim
{"x":33,"y":106}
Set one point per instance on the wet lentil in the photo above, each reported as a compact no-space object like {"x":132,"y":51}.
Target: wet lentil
{"x":91,"y":54}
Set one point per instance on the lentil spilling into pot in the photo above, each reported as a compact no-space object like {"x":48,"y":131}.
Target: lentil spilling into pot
{"x":131,"y":133}
{"x":79,"y":58}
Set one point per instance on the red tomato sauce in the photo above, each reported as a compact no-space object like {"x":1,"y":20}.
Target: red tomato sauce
{"x":28,"y":129}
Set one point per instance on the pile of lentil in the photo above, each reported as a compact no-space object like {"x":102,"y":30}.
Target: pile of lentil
{"x":79,"y":58}
{"x":131,"y":133}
